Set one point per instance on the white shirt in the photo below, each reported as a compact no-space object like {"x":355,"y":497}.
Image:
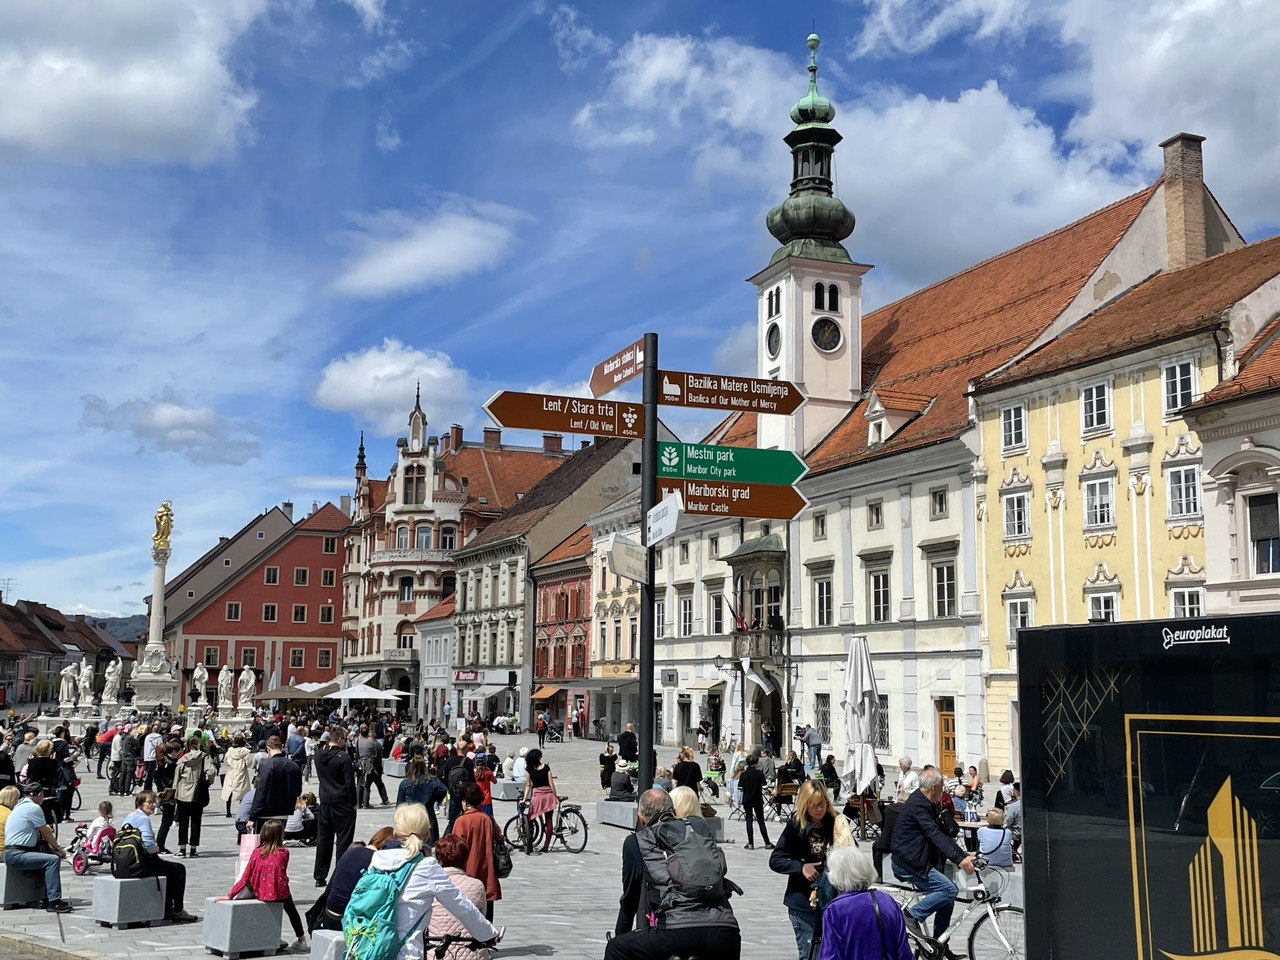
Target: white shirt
{"x":149,"y":746}
{"x":519,"y":770}
{"x":908,"y":783}
{"x":428,"y":884}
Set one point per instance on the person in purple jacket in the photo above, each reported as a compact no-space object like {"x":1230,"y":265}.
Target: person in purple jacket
{"x":860,"y":924}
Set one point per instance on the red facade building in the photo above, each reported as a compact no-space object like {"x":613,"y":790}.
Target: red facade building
{"x":562,"y":628}
{"x":280,"y":613}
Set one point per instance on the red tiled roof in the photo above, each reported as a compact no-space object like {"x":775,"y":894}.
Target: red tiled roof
{"x":934,"y":342}
{"x":441,"y":611}
{"x":735,"y":430}
{"x":574,"y":546}
{"x":21,"y":631}
{"x":1167,"y":306}
{"x":498,"y":475}
{"x":901,"y":400}
{"x":328,"y":519}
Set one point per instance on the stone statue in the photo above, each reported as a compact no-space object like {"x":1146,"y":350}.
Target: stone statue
{"x":248,"y":687}
{"x":164,"y":525}
{"x":86,"y":681}
{"x":200,"y":680}
{"x":111,"y":682}
{"x":67,"y":692}
{"x":226,"y":681}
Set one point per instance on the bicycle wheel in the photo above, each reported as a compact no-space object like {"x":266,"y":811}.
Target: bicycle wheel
{"x":1001,"y":938}
{"x":512,"y":833}
{"x":76,"y":802}
{"x":573,"y":831}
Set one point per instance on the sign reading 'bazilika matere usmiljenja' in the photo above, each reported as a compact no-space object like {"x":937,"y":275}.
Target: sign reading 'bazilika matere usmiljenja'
{"x":1151,"y":787}
{"x":714,"y":391}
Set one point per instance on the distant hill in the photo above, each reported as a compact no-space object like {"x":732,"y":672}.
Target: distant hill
{"x":127,"y":629}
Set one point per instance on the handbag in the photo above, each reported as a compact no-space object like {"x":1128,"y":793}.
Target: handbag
{"x":501,"y":856}
{"x":875,"y":904}
{"x":947,"y":823}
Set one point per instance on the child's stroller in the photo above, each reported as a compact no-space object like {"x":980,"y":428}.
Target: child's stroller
{"x":82,"y":854}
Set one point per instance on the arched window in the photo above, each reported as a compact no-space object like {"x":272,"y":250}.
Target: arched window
{"x":402,"y":537}
{"x":833,"y":298}
{"x":422,"y":536}
{"x":819,"y":296}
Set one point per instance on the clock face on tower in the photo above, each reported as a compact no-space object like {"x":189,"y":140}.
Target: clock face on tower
{"x":826,"y":334}
{"x":773,"y":341}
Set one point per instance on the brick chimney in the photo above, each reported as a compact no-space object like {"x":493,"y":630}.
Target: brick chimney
{"x":492,"y":438}
{"x":455,"y":437}
{"x":287,"y":507}
{"x":552,"y":443}
{"x":1184,"y":199}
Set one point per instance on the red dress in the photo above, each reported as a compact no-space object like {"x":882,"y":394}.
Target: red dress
{"x":267,"y":876}
{"x":485,"y":780}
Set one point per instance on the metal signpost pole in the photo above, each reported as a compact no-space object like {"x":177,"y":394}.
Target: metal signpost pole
{"x":648,"y":500}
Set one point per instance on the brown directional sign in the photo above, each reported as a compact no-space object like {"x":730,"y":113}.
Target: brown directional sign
{"x":757,"y":501}
{"x":541,"y":411}
{"x":713,"y":391}
{"x":626,"y":364}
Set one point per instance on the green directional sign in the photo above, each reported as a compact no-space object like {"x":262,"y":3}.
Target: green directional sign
{"x":702,"y":461}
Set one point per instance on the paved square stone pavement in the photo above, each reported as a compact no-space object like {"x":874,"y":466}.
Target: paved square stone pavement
{"x":556,"y":905}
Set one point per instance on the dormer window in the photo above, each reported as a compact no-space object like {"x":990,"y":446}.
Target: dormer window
{"x":876,"y":434}
{"x":819,"y":296}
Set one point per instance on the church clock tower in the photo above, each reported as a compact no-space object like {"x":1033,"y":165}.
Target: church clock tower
{"x":810,"y":295}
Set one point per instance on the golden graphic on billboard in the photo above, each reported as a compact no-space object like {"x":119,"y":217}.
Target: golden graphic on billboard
{"x":1199,"y":787}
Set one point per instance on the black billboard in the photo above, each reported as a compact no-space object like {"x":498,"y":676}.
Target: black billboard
{"x":1151,"y":789}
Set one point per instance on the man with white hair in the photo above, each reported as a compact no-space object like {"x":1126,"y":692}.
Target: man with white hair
{"x":916,"y":837}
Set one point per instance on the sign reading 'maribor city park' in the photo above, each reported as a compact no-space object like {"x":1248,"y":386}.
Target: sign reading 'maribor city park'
{"x":702,"y":461}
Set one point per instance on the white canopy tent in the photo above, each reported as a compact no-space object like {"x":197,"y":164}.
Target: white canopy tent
{"x":861,"y":706}
{"x":362,"y":691}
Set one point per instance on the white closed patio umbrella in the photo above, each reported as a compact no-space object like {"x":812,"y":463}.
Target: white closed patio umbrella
{"x":861,"y":706}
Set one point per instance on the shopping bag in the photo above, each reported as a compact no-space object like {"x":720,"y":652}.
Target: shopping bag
{"x":248,"y":847}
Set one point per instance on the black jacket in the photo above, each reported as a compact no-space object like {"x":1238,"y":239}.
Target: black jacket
{"x":751,"y":782}
{"x":337,"y":776}
{"x":628,"y":747}
{"x":916,"y":835}
{"x":279,"y":786}
{"x":633,"y":892}
{"x":793,"y":850}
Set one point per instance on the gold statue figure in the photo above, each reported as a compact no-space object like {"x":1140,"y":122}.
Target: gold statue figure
{"x":164,"y":525}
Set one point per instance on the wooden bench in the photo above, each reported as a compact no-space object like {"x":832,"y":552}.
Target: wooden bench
{"x":128,"y":903}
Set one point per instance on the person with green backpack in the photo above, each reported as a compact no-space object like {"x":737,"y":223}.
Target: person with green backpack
{"x":384,"y":918}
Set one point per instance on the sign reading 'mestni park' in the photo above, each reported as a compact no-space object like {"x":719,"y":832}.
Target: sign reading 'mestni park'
{"x":703,"y":461}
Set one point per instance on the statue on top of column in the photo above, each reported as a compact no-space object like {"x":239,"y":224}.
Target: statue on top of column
{"x":164,"y":526}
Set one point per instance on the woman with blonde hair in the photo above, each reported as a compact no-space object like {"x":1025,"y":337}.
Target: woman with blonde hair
{"x":801,"y":854}
{"x":9,"y":798}
{"x":686,"y":803}
{"x":427,"y":883}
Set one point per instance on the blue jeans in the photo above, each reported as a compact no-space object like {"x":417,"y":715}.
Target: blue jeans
{"x":939,"y":901}
{"x":45,"y":863}
{"x":815,"y":752}
{"x":804,"y":922}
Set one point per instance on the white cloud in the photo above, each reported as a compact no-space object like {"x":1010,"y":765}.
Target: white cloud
{"x":92,"y":613}
{"x":371,"y":12}
{"x":395,"y":251}
{"x":575,"y":41}
{"x":388,"y":137}
{"x":167,"y":425}
{"x":392,"y":57}
{"x":912,"y":26}
{"x":83,"y":80}
{"x":376,"y":386}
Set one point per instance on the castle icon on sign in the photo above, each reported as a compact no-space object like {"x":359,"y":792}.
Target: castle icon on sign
{"x":1225,"y":887}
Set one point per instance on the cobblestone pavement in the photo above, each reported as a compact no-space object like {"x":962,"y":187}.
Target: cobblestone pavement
{"x":559,"y":905}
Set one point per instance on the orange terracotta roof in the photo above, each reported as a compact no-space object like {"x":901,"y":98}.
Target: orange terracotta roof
{"x":498,"y":475}
{"x":441,"y":611}
{"x":735,"y":430}
{"x":934,"y":342}
{"x":377,"y":494}
{"x":328,"y":518}
{"x":1167,"y":306}
{"x":901,"y":400}
{"x":576,"y":545}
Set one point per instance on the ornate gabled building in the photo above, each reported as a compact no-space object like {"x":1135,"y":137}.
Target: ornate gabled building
{"x":439,"y":494}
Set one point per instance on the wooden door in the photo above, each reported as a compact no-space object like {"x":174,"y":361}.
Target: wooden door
{"x":946,"y":735}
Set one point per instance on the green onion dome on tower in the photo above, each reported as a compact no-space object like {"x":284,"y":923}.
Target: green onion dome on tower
{"x":812,"y":221}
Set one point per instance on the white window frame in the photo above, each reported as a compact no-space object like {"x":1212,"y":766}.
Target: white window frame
{"x":326,"y":613}
{"x":212,"y":661}
{"x":684,"y":551}
{"x":330,"y":545}
{"x":1093,"y":504}
{"x":713,"y":545}
{"x":1170,"y":375}
{"x":402,"y":537}
{"x":329,"y":577}
{"x":1016,"y":508}
{"x":1013,"y":428}
{"x":1020,"y":613}
{"x":249,"y":657}
{"x":659,"y":618}
{"x":939,"y":503}
{"x":936,"y":582}
{"x":873,"y":599}
{"x":1095,"y":407}
{"x":238,"y":611}
{"x":301,"y":576}
{"x":422,"y":531}
{"x":297,"y":658}
{"x":1186,"y":598}
{"x":1254,"y":541}
{"x":401,"y":583}
{"x":299,"y":607}
{"x":1181,"y":510}
{"x":275,"y":613}
{"x":875,"y":515}
{"x":1098,"y":600}
{"x":271,"y":576}
{"x":448,"y":538}
{"x":820,"y":525}
{"x":324,"y":659}
{"x":686,"y":615}
{"x":823,"y":601}
{"x":715,"y":612}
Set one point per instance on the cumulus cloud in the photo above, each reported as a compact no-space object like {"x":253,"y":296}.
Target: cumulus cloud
{"x":395,"y":251}
{"x":87,"y":81}
{"x":575,"y":41}
{"x":167,"y":425}
{"x":392,"y":57}
{"x":388,"y":137}
{"x":376,"y":386}
{"x":94,"y":613}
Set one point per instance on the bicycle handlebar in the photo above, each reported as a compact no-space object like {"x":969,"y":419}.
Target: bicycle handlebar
{"x":441,"y":945}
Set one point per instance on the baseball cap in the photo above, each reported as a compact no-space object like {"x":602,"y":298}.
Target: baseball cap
{"x":33,"y":789}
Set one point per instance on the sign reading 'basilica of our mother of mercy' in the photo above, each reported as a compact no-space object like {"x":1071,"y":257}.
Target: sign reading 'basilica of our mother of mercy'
{"x":1151,"y":785}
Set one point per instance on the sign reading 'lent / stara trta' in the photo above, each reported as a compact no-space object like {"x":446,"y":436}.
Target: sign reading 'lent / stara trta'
{"x":713,"y":391}
{"x":542,"y":411}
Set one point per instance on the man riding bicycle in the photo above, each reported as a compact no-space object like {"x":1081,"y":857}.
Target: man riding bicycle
{"x":916,"y":839}
{"x":672,"y":920}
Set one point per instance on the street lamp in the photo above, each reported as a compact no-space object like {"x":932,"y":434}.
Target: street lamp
{"x":719,"y":662}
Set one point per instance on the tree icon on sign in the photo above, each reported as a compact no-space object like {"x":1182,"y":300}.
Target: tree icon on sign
{"x":670,"y":458}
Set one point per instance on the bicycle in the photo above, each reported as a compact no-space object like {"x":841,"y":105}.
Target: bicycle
{"x":998,"y":934}
{"x":439,"y":946}
{"x":521,"y":832}
{"x":569,"y":826}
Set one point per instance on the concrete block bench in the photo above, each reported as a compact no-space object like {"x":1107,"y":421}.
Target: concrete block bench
{"x":617,"y":813}
{"x":128,"y":903}
{"x":20,"y":888}
{"x":328,"y":945}
{"x":242,"y":928}
{"x":507,"y":790}
{"x":395,"y":768}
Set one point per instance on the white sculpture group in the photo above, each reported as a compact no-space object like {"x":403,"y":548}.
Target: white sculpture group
{"x":246,"y":687}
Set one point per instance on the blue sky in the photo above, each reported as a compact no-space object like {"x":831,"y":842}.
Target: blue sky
{"x":233,"y":233}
